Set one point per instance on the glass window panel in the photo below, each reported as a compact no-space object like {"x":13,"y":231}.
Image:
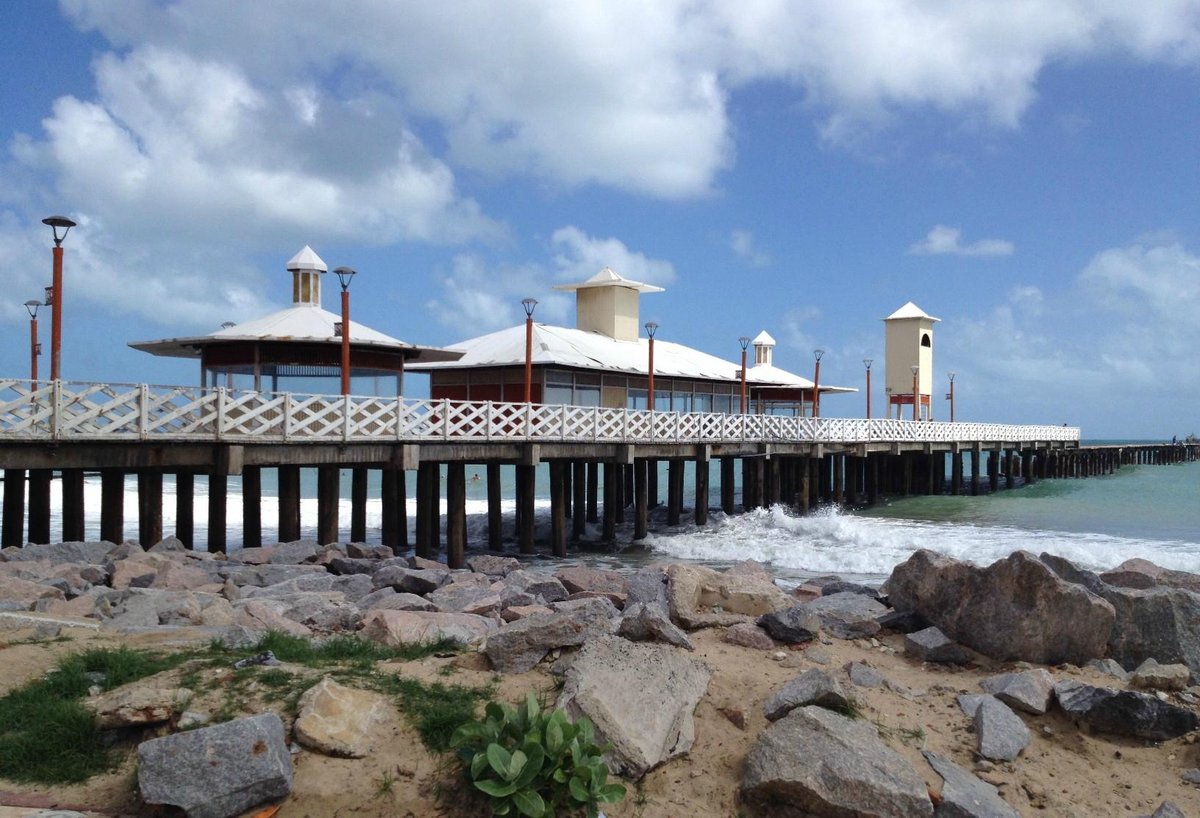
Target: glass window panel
{"x":587,"y":396}
{"x":662,"y":401}
{"x":681,"y":401}
{"x":557,"y":395}
{"x":636,"y":399}
{"x":702,"y":403}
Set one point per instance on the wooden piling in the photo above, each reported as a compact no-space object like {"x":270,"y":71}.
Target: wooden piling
{"x":558,"y":504}
{"x":112,"y":505}
{"x":288,"y":478}
{"x":218,"y":524}
{"x":674,"y":491}
{"x":727,"y":487}
{"x":39,"y":505}
{"x":579,"y":500}
{"x":609,"y":524}
{"x":640,"y":509}
{"x":393,"y":523}
{"x":701,"y":484}
{"x":526,"y":488}
{"x":150,"y":512}
{"x":185,"y":507}
{"x":358,"y":504}
{"x":14,"y":509}
{"x":327,"y":504}
{"x":251,"y":507}
{"x":456,"y":514}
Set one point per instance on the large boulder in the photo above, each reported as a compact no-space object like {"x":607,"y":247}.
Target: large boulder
{"x":813,"y":686}
{"x":1124,"y":712}
{"x":847,"y":614}
{"x":398,"y":628}
{"x":219,"y":771}
{"x":518,"y":646}
{"x":1016,"y":608}
{"x":1140,"y":573}
{"x":816,"y":762}
{"x":337,"y":720}
{"x":700,"y":597}
{"x":92,"y":552}
{"x":1160,"y":623}
{"x":645,"y":715}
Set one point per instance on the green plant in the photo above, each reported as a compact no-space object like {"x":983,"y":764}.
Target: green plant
{"x":535,"y":762}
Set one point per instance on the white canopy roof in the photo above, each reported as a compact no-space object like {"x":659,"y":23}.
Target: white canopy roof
{"x":306,"y":259}
{"x":910,"y":310}
{"x":607,"y":277}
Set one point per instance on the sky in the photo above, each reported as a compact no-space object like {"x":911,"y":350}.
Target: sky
{"x":1028,"y":171}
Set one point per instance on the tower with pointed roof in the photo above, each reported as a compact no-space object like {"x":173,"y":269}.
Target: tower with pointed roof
{"x":908,"y":342}
{"x":608,"y":304}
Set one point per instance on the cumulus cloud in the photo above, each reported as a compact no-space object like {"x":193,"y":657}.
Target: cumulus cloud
{"x":477,"y":297}
{"x":946,"y":241}
{"x":743,"y":245}
{"x":578,"y":257}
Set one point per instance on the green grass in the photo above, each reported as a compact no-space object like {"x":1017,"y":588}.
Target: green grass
{"x":435,"y":710}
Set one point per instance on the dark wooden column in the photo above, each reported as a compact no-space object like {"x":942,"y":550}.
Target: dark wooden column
{"x":218,"y":494}
{"x":39,"y":505}
{"x":456,"y":514}
{"x":769,"y":472}
{"x":701,"y":511}
{"x":14,"y":509}
{"x":150,"y":512}
{"x":358,"y":504}
{"x":112,"y":505}
{"x":976,"y":462}
{"x":558,"y":508}
{"x":526,"y":486}
{"x":674,"y":490}
{"x":579,"y":501}
{"x":619,"y":499}
{"x":251,"y":506}
{"x":804,"y":490}
{"x":72,"y":512}
{"x":748,"y":501}
{"x":495,"y":501}
{"x":907,"y":459}
{"x":428,"y":536}
{"x":185,"y":508}
{"x":839,"y":479}
{"x":593,"y":490}
{"x":956,"y":470}
{"x":609,"y":525}
{"x":652,"y":483}
{"x":727,"y":485}
{"x":872,"y":477}
{"x":394,"y":506}
{"x":1010,"y":477}
{"x":640,"y":510}
{"x":994,"y":470}
{"x":825,"y":478}
{"x":328,"y":478}
{"x":289,"y":503}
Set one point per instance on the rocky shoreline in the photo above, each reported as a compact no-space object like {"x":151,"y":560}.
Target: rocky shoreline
{"x":784,"y":703}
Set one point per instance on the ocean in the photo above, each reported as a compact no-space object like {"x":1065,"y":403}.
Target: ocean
{"x":1152,"y":512}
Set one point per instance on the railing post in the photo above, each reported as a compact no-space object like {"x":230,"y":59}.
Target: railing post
{"x":143,"y":410}
{"x":399,"y":416}
{"x":220,"y":431}
{"x":445,"y":418}
{"x":287,"y":415}
{"x":345,"y":418}
{"x":487,"y":420}
{"x":56,"y":409}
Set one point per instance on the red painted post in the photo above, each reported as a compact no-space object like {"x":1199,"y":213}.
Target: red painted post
{"x":867,"y":363}
{"x":744,"y":341}
{"x":528,"y":304}
{"x":345,"y":341}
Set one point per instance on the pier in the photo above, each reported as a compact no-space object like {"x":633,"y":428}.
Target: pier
{"x":603,"y":463}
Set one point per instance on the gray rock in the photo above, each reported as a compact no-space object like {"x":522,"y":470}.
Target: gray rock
{"x":964,"y":795}
{"x":700,"y":597}
{"x":465,"y":597}
{"x":815,"y":762}
{"x":294,"y":553}
{"x":92,"y":552}
{"x":931,"y":645}
{"x":646,"y":716}
{"x":749,"y":635}
{"x":396,"y":628}
{"x":419,"y":581}
{"x":1000,"y":733}
{"x":1110,"y":666}
{"x":352,"y":565}
{"x":518,"y":646}
{"x":848,"y":615}
{"x":648,"y":586}
{"x":1159,"y":623}
{"x":1191,"y":776}
{"x":814,"y":687}
{"x":219,"y":771}
{"x":542,"y":586}
{"x":1124,"y":712}
{"x":864,"y":675}
{"x":421,"y":562}
{"x":1167,"y":809}
{"x":969,"y":702}
{"x":358,"y":550}
{"x":793,"y":625}
{"x":650,"y":623}
{"x":580,"y":578}
{"x":1150,"y":675}
{"x":493,"y":565}
{"x":1140,"y":573}
{"x":1016,"y":608}
{"x":391,"y":599}
{"x":902,"y":621}
{"x":1031,"y":691}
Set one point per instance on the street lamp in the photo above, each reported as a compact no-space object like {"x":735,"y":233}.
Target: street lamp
{"x":344,"y":274}
{"x":528,"y":304}
{"x":55,"y":222}
{"x":867,"y":363}
{"x":916,"y":394}
{"x":35,"y":349}
{"x":817,"y":353}
{"x":744,"y":341}
{"x":950,"y":397}
{"x":651,"y":328}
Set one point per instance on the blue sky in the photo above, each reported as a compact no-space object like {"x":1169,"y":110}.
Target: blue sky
{"x":1026,"y":171}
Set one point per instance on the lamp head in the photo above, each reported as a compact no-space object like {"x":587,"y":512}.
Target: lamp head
{"x":818,"y":354}
{"x":744,"y":342}
{"x":528,"y":304}
{"x":344,"y":274}
{"x":651,"y":328}
{"x":915,"y":369}
{"x":951,"y":374}
{"x":32,"y":305}
{"x":56,"y":222}
{"x":867,"y":363}
{"x":48,"y":298}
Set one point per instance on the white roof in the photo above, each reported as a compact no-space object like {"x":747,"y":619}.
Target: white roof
{"x":591,"y":350}
{"x":763,"y":339}
{"x":910,"y":310}
{"x":608,"y":278}
{"x":306,"y":259}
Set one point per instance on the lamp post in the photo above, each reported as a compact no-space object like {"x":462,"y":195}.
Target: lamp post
{"x":344,"y":275}
{"x":916,"y":394}
{"x":55,"y":222}
{"x":651,"y":328}
{"x":35,"y":349}
{"x":744,"y":342}
{"x":867,"y":363}
{"x":950,"y":397}
{"x":817,"y":353}
{"x":528,"y":304}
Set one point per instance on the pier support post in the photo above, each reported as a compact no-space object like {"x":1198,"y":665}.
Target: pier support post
{"x":727,"y":485}
{"x":593,"y":491}
{"x":456,"y":514}
{"x":619,"y":500}
{"x":558,"y":508}
{"x":640,"y":510}
{"x":428,"y":497}
{"x":251,"y":506}
{"x":358,"y":504}
{"x":1010,"y":476}
{"x":674,"y":490}
{"x":150,"y":516}
{"x":956,"y":470}
{"x":72,"y":502}
{"x":579,"y":500}
{"x":112,"y":505}
{"x":185,"y":508}
{"x":994,"y":470}
{"x":218,"y":494}
{"x":14,"y":509}
{"x":976,"y":463}
{"x":907,"y":460}
{"x":39,"y":505}
{"x":328,"y":478}
{"x":839,"y":479}
{"x":393,"y":524}
{"x":701,"y":511}
{"x":526,"y":479}
{"x":495,"y":499}
{"x":609,"y":525}
{"x":289,"y":503}
{"x":804,"y":493}
{"x":872,"y":478}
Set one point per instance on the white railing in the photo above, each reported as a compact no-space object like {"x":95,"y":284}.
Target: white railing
{"x":70,"y":410}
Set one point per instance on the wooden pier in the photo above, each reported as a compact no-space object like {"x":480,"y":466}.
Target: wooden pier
{"x":603,"y":463}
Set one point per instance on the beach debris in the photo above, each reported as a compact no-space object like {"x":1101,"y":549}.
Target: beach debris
{"x":1124,"y":712}
{"x":265,"y":658}
{"x":931,"y":645}
{"x":813,"y":686}
{"x":999,"y":732}
{"x":963,"y":795}
{"x":831,"y":765}
{"x":1031,"y":690}
{"x":646,"y":716}
{"x":219,"y":771}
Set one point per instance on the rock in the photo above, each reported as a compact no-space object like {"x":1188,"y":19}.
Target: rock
{"x":648,"y":585}
{"x":466,"y":598}
{"x":294,"y":553}
{"x":864,"y":675}
{"x":931,"y":645}
{"x":700,"y":597}
{"x":1110,"y":666}
{"x":1150,"y":675}
{"x":847,"y":615}
{"x":1167,"y":809}
{"x":650,"y":623}
{"x":814,"y":687}
{"x":815,"y":762}
{"x":23,"y":595}
{"x":493,"y":565}
{"x":418,"y":581}
{"x":792,"y":625}
{"x":390,"y":599}
{"x":969,"y":702}
{"x":1016,"y":608}
{"x":646,"y":715}
{"x":219,"y":771}
{"x":1031,"y":691}
{"x":92,"y":552}
{"x":1140,"y":573}
{"x":749,"y":635}
{"x":337,"y":720}
{"x":1124,"y":712}
{"x":396,"y":628}
{"x":1000,"y":733}
{"x":518,"y":646}
{"x":578,"y":578}
{"x":1192,"y":776}
{"x":135,"y":705}
{"x":344,"y":566}
{"x":841,"y":586}
{"x":1159,"y":623}
{"x":540,"y":586}
{"x":902,"y":621}
{"x":515,"y":612}
{"x":965,"y":796}
{"x":266,"y":615}
{"x":421,"y":562}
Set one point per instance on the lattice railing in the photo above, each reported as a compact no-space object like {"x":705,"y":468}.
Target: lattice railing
{"x":69,"y":410}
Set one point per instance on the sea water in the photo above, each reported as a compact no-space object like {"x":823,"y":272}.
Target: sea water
{"x":1152,"y":512}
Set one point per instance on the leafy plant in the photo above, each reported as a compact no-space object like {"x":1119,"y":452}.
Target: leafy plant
{"x":533,"y":762}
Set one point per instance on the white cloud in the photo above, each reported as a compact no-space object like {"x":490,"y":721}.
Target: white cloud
{"x":943,"y":241}
{"x":743,"y":245}
{"x":578,"y":257}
